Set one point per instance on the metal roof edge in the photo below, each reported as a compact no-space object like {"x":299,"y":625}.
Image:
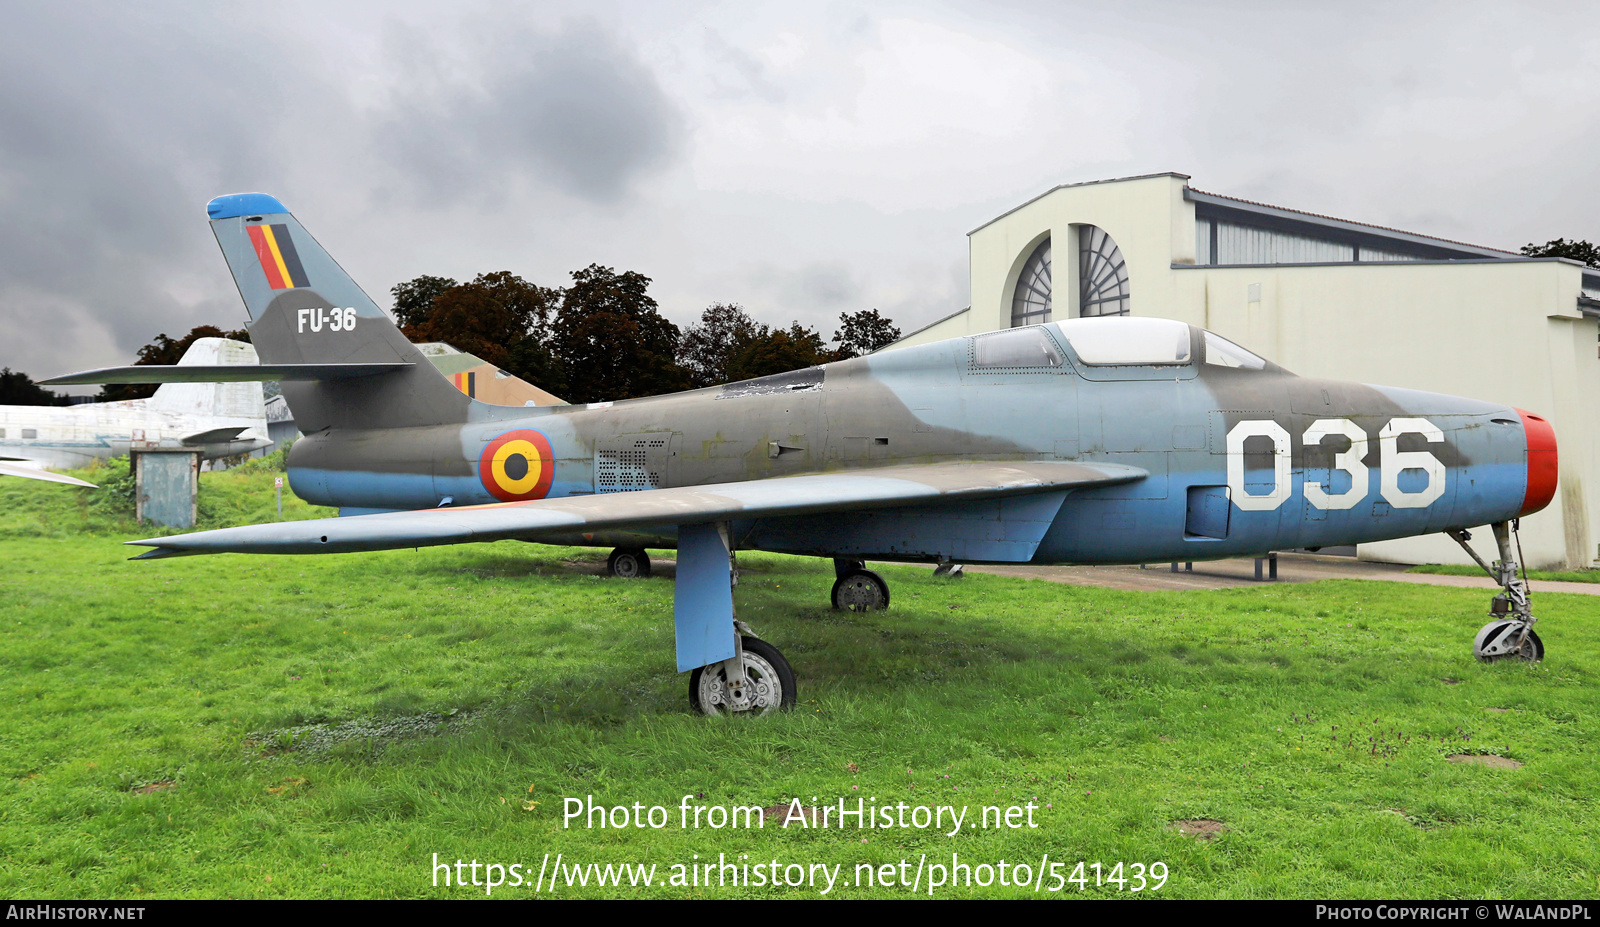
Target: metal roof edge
{"x":1425,"y":263}
{"x":930,"y":325}
{"x":1086,"y":183}
{"x":1364,"y":229}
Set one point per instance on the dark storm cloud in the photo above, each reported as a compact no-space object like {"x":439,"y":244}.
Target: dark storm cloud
{"x":114,"y":130}
{"x":118,"y":123}
{"x":577,"y":108}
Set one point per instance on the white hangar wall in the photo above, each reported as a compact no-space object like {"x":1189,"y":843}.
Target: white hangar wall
{"x":1401,"y":310}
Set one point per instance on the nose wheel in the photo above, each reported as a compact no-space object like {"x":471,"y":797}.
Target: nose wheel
{"x":1508,"y":640}
{"x":1510,"y":636}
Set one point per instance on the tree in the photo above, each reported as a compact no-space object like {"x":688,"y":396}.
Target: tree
{"x":863,"y":332}
{"x":1560,"y":247}
{"x":779,"y":352}
{"x":165,"y":351}
{"x":488,"y":317}
{"x":532,"y":360}
{"x":705,"y":350}
{"x":16,"y":389}
{"x":413,"y":300}
{"x":499,"y":317}
{"x":612,"y":340}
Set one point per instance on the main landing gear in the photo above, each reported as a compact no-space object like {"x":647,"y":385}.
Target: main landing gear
{"x":765,"y":683}
{"x":629,"y":563}
{"x":731,"y":671}
{"x":1510,"y":636}
{"x":857,"y":588}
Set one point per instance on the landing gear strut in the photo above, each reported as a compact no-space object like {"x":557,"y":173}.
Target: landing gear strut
{"x":1510,"y":635}
{"x":857,"y":588}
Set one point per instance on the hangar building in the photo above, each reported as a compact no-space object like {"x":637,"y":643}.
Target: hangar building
{"x":1323,"y":297}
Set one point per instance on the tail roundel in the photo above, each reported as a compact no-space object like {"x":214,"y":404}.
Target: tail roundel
{"x":304,"y":309}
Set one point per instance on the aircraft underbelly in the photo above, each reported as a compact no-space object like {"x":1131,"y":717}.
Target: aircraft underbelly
{"x":1006,"y":530}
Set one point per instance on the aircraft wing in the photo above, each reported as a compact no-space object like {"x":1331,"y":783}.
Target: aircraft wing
{"x":848,"y":490}
{"x":222,"y":373}
{"x":10,"y":468}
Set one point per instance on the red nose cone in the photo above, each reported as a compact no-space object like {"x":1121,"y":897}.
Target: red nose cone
{"x":1541,"y":463}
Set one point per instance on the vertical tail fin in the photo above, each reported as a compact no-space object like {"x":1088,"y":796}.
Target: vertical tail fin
{"x":217,"y":400}
{"x":304,"y":309}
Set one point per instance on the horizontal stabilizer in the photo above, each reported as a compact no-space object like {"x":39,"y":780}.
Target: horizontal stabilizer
{"x":849,"y":490}
{"x":223,"y":373}
{"x":35,"y":473}
{"x":214,"y":436}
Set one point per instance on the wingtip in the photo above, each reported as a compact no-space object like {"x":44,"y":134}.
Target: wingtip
{"x":158,"y":551}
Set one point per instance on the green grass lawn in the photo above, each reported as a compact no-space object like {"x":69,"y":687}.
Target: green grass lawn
{"x":250,"y":727}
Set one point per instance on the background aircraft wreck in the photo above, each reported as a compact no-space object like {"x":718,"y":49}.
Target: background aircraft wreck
{"x":217,"y":419}
{"x":1116,"y":440}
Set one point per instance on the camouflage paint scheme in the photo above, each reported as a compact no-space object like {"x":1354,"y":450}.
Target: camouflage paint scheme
{"x":977,"y":449}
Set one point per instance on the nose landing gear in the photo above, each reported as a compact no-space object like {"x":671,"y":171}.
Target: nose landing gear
{"x":1510,"y":636}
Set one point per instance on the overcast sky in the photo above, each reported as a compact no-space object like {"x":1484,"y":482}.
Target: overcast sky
{"x":802,"y":160}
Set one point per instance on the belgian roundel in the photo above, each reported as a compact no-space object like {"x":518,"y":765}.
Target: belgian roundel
{"x":518,"y":465}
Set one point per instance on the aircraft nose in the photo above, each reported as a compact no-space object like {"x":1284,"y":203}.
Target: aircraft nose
{"x":1542,"y":468}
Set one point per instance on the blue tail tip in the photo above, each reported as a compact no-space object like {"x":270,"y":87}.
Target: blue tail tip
{"x":243,"y":204}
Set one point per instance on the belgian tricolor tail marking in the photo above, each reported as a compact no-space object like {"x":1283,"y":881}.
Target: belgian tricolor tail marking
{"x":466,"y":382}
{"x":278,"y":258}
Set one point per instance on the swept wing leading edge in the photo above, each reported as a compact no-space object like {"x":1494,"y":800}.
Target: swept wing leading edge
{"x":795,"y":495}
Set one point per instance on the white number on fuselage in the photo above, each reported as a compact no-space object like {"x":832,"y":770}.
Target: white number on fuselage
{"x":1392,"y":462}
{"x":335,"y":320}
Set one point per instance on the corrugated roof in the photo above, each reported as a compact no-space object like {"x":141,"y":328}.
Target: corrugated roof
{"x":1326,"y":219}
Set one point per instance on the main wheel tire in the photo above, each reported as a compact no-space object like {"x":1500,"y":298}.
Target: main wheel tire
{"x":860,"y":591}
{"x":628,"y":563}
{"x":770,"y":675}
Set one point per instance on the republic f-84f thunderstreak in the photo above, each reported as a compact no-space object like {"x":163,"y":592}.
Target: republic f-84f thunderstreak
{"x":1122,"y":440}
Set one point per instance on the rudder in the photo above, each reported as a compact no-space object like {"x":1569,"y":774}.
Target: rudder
{"x":304,"y":309}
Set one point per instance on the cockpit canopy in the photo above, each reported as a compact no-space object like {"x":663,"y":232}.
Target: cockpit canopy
{"x":1107,"y":342}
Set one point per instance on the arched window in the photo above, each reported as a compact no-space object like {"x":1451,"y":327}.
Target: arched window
{"x":1102,"y":274}
{"x":1031,"y":304}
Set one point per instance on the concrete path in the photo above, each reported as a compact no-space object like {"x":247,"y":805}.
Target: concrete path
{"x":1292,"y":568}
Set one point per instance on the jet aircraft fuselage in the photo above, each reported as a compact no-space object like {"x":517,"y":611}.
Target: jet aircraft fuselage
{"x":1242,"y":456}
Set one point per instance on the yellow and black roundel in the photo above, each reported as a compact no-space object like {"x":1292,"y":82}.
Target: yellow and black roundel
{"x":517,"y":465}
